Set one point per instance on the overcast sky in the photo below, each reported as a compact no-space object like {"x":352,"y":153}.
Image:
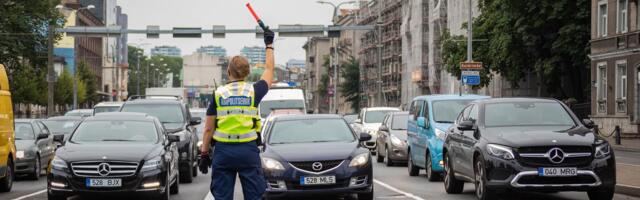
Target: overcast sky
{"x":231,"y":13}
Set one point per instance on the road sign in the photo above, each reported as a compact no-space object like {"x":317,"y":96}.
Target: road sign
{"x":470,"y":73}
{"x":471,"y":79}
{"x":471,"y":65}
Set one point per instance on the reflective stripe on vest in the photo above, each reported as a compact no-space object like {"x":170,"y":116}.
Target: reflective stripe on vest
{"x":222,"y":113}
{"x":224,"y":137}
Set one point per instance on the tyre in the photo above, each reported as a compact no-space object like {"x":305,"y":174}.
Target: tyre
{"x":55,"y":197}
{"x":431,"y":175}
{"x":601,"y":194}
{"x":35,"y":175}
{"x":366,"y":196}
{"x":451,"y":184}
{"x":413,"y":170}
{"x":7,"y":182}
{"x":387,"y":159}
{"x":186,"y":176}
{"x":482,"y":191}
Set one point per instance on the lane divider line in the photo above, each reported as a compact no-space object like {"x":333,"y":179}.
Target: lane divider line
{"x":31,"y":195}
{"x":397,"y":190}
{"x":209,"y":196}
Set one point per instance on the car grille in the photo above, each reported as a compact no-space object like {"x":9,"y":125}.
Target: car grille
{"x":525,"y":158}
{"x":308,"y":166}
{"x":538,"y":180}
{"x":94,"y":169}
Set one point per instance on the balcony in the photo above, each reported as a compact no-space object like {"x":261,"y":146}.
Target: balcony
{"x":615,"y":42}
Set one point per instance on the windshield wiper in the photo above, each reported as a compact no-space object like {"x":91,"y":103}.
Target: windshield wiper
{"x":317,"y":141}
{"x":444,"y":121}
{"x":117,"y":140}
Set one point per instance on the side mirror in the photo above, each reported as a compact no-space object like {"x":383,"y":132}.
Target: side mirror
{"x":42,"y":136}
{"x":466,"y":125}
{"x":364,"y":137}
{"x":588,"y":123}
{"x":173,"y":138}
{"x":59,"y":138}
{"x":195,"y":121}
{"x":384,"y":128}
{"x":422,"y":122}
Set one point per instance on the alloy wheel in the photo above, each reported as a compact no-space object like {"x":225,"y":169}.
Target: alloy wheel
{"x":447,"y":170}
{"x":479,"y":179}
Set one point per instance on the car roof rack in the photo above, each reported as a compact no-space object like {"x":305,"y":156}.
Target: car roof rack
{"x":155,"y":97}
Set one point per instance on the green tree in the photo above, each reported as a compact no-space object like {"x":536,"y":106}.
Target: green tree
{"x":63,"y":94}
{"x":549,"y":38}
{"x":26,"y":86}
{"x":82,"y":92}
{"x":350,"y":87}
{"x":90,"y":81}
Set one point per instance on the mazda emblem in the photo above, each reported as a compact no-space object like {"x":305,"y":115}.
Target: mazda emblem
{"x":104,"y":169}
{"x":316,"y":166}
{"x":556,"y":155}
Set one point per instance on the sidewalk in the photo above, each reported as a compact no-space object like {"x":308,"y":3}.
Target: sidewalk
{"x":626,"y":144}
{"x":628,"y":174}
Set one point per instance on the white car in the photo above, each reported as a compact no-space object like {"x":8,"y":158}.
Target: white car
{"x":107,"y":107}
{"x":369,"y":121}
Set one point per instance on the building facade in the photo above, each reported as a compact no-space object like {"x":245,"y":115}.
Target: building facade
{"x":295,"y":63}
{"x":316,"y":49}
{"x":219,"y":51}
{"x":615,"y":65}
{"x":202,"y":73}
{"x":256,"y":55}
{"x":347,"y":47}
{"x":166,"y":51}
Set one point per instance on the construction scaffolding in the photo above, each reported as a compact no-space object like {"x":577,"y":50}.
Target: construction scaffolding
{"x":381,"y":72}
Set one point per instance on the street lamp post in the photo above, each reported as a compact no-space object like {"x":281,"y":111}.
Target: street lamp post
{"x":335,"y":62}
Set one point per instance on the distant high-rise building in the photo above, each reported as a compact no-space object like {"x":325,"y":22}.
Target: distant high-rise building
{"x":166,"y":51}
{"x":295,"y":63}
{"x":213,"y":50}
{"x":255,"y":54}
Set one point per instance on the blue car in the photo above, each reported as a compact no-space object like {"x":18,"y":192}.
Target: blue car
{"x":429,"y":119}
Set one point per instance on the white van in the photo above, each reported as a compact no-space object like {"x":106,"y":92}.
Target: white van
{"x":279,"y":98}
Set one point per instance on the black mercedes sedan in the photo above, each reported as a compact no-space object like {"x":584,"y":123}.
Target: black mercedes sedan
{"x":526,"y":144}
{"x":116,"y":153}
{"x":306,"y":155}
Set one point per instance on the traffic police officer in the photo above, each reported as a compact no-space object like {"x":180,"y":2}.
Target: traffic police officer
{"x":233,"y":122}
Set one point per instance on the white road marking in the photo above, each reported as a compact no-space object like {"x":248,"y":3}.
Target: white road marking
{"x":209,"y":196}
{"x":397,"y":190}
{"x":629,"y":164}
{"x":31,"y":195}
{"x":629,"y":186}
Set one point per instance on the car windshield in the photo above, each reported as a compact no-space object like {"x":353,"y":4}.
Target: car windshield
{"x":103,"y":109}
{"x":447,"y":111}
{"x":116,"y":130}
{"x":60,"y":126}
{"x":166,"y":113}
{"x":526,"y":114}
{"x":24,"y":131}
{"x":267,"y":106}
{"x":310,"y":131}
{"x":399,"y":122}
{"x":375,"y":116}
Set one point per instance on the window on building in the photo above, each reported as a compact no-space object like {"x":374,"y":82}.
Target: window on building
{"x":602,"y":18}
{"x":621,"y":86}
{"x":622,"y":16}
{"x":601,"y":87}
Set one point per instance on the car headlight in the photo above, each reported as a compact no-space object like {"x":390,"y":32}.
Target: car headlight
{"x":440,"y":134}
{"x":19,"y":154}
{"x":151,"y":164}
{"x":500,"y":151}
{"x":360,"y":160}
{"x":271,"y":164}
{"x":58,"y":163}
{"x":603,"y":150}
{"x":373,"y":133}
{"x":396,"y":141}
{"x":199,"y":144}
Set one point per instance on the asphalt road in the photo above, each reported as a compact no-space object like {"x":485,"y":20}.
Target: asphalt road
{"x":628,"y":157}
{"x":390,"y":183}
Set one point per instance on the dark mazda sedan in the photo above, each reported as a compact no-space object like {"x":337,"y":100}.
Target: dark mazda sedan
{"x":526,"y":144}
{"x":114,"y":153}
{"x":307,"y":155}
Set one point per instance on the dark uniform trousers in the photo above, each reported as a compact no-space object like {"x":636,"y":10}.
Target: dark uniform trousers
{"x":242,"y":159}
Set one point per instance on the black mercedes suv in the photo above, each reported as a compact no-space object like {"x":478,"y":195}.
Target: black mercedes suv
{"x":176,"y":118}
{"x":526,"y":144}
{"x":116,"y":153}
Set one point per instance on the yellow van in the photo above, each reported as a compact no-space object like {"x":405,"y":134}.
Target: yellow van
{"x":7,"y":136}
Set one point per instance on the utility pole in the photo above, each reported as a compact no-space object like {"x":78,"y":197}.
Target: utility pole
{"x":469,"y":42}
{"x":138,"y":75}
{"x":51,"y":76}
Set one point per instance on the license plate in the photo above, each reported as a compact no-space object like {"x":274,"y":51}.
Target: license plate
{"x":557,"y":172}
{"x":114,"y":182}
{"x":317,"y":180}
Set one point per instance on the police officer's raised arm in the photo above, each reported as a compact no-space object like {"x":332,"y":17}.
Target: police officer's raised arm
{"x":267,"y":75}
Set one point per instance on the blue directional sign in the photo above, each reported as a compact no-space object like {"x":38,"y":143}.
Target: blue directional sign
{"x":471,"y":77}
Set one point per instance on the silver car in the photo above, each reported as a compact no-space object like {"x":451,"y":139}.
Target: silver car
{"x":35,"y":147}
{"x":392,"y":139}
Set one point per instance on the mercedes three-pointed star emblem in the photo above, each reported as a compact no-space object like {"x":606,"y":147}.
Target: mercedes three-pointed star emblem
{"x":104,"y":169}
{"x":556,"y":155}
{"x":316,"y":166}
